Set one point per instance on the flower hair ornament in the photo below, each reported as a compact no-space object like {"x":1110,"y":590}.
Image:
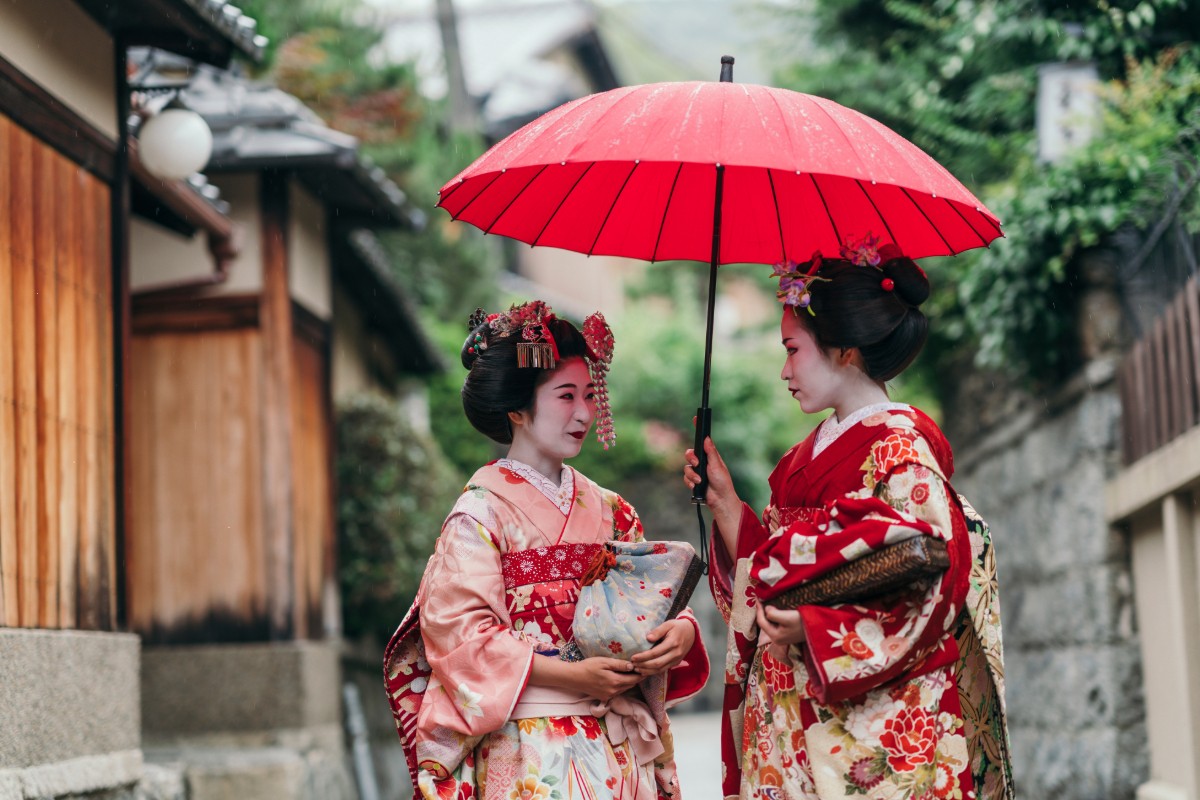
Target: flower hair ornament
{"x":795,"y":285}
{"x":866,"y":252}
{"x":537,"y":348}
{"x":599,"y":338}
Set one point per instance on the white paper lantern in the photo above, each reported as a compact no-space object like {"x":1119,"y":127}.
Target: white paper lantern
{"x":175,"y":143}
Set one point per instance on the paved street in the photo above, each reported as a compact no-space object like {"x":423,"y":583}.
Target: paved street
{"x":698,"y":754}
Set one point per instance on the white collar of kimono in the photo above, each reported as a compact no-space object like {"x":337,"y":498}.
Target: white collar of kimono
{"x":561,"y":493}
{"x":832,"y":427}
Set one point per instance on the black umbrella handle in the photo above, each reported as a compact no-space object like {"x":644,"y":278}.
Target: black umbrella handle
{"x":703,"y":430}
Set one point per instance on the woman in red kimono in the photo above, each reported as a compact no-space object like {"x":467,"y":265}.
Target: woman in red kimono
{"x":485,"y":706}
{"x":899,"y":697}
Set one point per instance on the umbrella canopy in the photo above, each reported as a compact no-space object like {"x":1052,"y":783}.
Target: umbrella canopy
{"x":718,"y":172}
{"x":633,"y":172}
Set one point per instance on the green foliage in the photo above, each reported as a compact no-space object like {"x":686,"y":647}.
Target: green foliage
{"x":1020,"y":294}
{"x":325,"y":53}
{"x":958,"y":78}
{"x":394,"y":490}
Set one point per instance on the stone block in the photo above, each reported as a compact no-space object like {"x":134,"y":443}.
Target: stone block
{"x":1075,"y":688}
{"x":66,"y":695}
{"x":1081,"y":765}
{"x":275,"y":772}
{"x":191,"y":690}
{"x":238,"y":774}
{"x":1081,"y":606}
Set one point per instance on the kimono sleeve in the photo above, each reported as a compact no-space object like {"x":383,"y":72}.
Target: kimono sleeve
{"x":853,"y":648}
{"x":481,"y":667}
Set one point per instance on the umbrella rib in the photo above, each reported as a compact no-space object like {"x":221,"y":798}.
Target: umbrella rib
{"x":463,"y":210}
{"x":560,"y":204}
{"x":608,"y":214}
{"x":949,"y":250}
{"x":836,"y":233}
{"x":882,"y":219}
{"x":515,"y":197}
{"x":666,"y":208}
{"x":778,"y":219}
{"x":982,"y":241}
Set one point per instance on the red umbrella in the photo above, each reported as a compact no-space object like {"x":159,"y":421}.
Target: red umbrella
{"x":717,"y":172}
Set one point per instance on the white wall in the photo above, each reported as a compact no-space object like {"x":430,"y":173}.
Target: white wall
{"x":159,"y":256}
{"x":61,"y":48}
{"x":309,"y":275}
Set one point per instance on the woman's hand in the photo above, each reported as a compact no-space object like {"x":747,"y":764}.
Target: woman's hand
{"x":674,"y":638}
{"x":721,"y":498}
{"x":604,"y":678}
{"x":783,"y":627}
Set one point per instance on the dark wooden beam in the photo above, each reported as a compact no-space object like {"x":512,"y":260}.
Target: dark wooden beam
{"x":167,"y":314}
{"x":310,"y":327}
{"x":277,"y":419}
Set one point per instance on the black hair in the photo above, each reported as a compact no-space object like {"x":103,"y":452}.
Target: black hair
{"x":856,"y":308}
{"x":495,"y":385}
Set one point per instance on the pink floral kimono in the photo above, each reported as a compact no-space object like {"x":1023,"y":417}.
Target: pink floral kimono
{"x":500,"y":591}
{"x":898,"y":698}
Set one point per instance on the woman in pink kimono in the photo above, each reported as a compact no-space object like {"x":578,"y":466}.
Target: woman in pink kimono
{"x":485,"y":706}
{"x":900,"y":697}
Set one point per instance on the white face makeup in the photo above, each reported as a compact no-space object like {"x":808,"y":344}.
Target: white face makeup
{"x":564,"y":407}
{"x":813,"y":376}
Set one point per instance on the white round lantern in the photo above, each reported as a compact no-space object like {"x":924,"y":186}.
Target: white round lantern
{"x":174,"y":143}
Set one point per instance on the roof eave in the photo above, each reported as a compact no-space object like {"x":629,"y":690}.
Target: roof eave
{"x":212,"y":31}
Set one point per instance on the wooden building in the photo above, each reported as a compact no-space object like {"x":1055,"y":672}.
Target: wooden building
{"x":167,"y":364}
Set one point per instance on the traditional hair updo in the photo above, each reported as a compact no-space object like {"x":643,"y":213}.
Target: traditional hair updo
{"x":495,"y":385}
{"x":873,"y":309}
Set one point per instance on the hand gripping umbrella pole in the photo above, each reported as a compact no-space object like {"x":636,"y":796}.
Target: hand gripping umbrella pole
{"x":704,"y":413}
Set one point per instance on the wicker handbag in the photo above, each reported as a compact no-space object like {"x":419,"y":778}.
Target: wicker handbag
{"x":898,"y":566}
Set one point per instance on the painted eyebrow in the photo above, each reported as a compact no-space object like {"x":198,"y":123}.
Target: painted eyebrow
{"x":571,"y":386}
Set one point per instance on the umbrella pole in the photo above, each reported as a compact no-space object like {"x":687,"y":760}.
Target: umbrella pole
{"x":704,"y":413}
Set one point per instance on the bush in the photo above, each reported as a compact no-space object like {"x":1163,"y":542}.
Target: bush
{"x":394,"y":490}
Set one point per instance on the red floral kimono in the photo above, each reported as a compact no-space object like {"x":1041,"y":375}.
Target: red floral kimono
{"x":500,"y":591}
{"x":899,"y":698}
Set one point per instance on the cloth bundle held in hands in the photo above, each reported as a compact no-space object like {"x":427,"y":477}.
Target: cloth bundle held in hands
{"x":629,"y":590}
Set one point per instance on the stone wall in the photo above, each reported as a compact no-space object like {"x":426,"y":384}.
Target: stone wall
{"x":1074,"y":686}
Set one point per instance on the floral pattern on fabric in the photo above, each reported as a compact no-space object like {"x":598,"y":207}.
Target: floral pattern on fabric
{"x":886,"y":698}
{"x":501,"y":589}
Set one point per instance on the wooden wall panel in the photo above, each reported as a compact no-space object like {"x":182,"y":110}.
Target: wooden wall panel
{"x":313,"y":494}
{"x":68,"y":233}
{"x":24,"y":344}
{"x":1160,"y":391}
{"x":105,"y":413}
{"x":45,"y":267}
{"x":9,"y":554}
{"x":196,"y":527}
{"x":56,"y":390}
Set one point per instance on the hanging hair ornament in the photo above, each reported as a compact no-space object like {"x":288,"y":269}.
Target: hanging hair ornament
{"x":795,"y":284}
{"x":599,"y":338}
{"x":537,"y":350}
{"x":478,"y":342}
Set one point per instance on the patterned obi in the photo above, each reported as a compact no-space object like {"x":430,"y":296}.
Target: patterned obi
{"x":541,"y":588}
